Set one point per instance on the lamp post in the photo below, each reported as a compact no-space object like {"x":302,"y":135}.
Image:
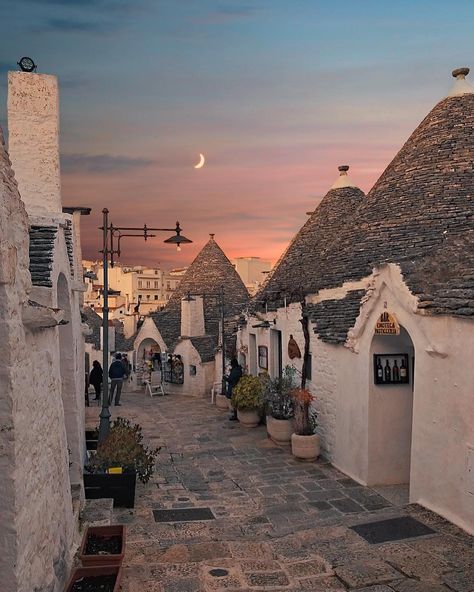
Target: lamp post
{"x":110,"y":248}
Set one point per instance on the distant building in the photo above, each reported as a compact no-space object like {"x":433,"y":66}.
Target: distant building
{"x":252,"y":270}
{"x":129,"y":286}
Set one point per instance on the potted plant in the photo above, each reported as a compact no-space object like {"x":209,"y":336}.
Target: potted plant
{"x":103,"y":545}
{"x":247,"y":398}
{"x":305,"y":444}
{"x":118,"y":461}
{"x":279,"y":406}
{"x":102,"y":578}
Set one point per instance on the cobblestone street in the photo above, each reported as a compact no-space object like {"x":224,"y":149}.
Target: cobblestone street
{"x":279,"y":524}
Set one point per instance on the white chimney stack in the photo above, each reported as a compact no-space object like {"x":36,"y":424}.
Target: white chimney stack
{"x":461,"y":86}
{"x":192,"y":316}
{"x":33,"y":140}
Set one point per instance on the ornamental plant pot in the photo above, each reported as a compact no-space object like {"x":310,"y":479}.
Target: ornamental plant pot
{"x":120,"y":487}
{"x":101,"y":578}
{"x":103,"y":545}
{"x":222,"y":402}
{"x":249,"y":418}
{"x":280,"y":430}
{"x":305,"y":447}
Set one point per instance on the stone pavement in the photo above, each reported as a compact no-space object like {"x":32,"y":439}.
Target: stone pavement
{"x":280,"y":524}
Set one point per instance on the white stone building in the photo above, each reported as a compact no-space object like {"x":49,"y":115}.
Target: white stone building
{"x":42,"y":444}
{"x":388,"y":277}
{"x":253,"y":271}
{"x":189,"y":328}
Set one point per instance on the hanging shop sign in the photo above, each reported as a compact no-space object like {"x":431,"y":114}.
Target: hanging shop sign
{"x":387,"y":325}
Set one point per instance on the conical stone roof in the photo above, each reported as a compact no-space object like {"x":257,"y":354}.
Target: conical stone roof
{"x":419,"y":215}
{"x":295,"y":274}
{"x":208,"y":273}
{"x":420,"y":210}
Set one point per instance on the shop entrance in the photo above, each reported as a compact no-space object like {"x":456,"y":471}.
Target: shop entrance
{"x":391,"y":391}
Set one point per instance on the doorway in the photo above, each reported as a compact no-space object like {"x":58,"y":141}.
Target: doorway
{"x":390,"y":408}
{"x":276,"y":353}
{"x":252,"y":354}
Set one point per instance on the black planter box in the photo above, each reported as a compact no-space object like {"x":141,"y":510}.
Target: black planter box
{"x":119,"y":487}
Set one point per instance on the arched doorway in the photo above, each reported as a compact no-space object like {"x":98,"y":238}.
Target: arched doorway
{"x":390,"y":408}
{"x":68,"y":380}
{"x":147,"y":359}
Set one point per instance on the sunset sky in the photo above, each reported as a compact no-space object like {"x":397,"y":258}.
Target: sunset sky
{"x":275,"y":93}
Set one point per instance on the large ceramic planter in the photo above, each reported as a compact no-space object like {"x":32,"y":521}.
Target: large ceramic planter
{"x":120,"y":487}
{"x":280,"y":430}
{"x":91,"y":575}
{"x":305,"y":447}
{"x":249,"y":418}
{"x":222,"y":402}
{"x":102,"y":537}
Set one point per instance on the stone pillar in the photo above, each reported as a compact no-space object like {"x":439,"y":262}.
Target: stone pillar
{"x":192,"y":317}
{"x":33,"y":140}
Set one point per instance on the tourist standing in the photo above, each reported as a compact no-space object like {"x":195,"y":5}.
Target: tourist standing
{"x":117,"y":373}
{"x":234,"y":376}
{"x":96,"y":378}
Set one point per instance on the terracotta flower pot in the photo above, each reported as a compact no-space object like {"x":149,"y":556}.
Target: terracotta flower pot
{"x":103,"y":532}
{"x":222,"y":402}
{"x":305,"y":447}
{"x":280,"y":430}
{"x":249,"y":418}
{"x":113,"y":572}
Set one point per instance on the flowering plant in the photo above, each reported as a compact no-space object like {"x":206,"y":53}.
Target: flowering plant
{"x":305,"y":417}
{"x":277,"y":394}
{"x":248,"y":393}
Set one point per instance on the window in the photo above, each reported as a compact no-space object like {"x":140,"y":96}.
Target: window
{"x":157,"y":271}
{"x":156,"y":296}
{"x":168,"y":285}
{"x":148,"y":284}
{"x":148,"y":296}
{"x":157,"y":285}
{"x":140,"y":283}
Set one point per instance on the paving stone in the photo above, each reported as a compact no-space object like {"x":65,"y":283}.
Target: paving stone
{"x":321,"y":584}
{"x":415,"y":586}
{"x":303,"y":569}
{"x":267,"y":580}
{"x":346,"y":506}
{"x":359,"y":574}
{"x":460,"y":581}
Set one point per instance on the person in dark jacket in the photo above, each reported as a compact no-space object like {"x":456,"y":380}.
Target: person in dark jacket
{"x":95,"y":378}
{"x":234,"y":376}
{"x":117,"y":373}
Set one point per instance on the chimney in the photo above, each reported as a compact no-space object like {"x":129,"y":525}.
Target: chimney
{"x":192,"y":316}
{"x":33,"y":140}
{"x":344,"y":180}
{"x":461,"y":86}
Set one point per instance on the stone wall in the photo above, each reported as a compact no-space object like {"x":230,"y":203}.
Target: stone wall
{"x":36,"y":518}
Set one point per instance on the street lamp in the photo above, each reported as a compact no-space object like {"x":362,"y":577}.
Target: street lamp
{"x":110,"y":234}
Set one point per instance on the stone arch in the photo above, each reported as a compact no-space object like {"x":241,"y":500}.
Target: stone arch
{"x":390,"y":408}
{"x":68,"y":379}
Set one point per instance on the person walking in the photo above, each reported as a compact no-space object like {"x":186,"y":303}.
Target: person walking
{"x":117,"y":373}
{"x":234,"y":376}
{"x":96,"y":378}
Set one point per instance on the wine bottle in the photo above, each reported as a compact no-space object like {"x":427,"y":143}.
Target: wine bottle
{"x":388,"y":372}
{"x":379,"y":370}
{"x":396,"y":372}
{"x":403,"y":371}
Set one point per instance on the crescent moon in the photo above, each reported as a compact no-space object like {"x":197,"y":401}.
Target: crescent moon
{"x":201,"y":162}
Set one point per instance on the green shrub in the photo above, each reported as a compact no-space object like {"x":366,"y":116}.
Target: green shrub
{"x":124,"y":448}
{"x":248,"y":394}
